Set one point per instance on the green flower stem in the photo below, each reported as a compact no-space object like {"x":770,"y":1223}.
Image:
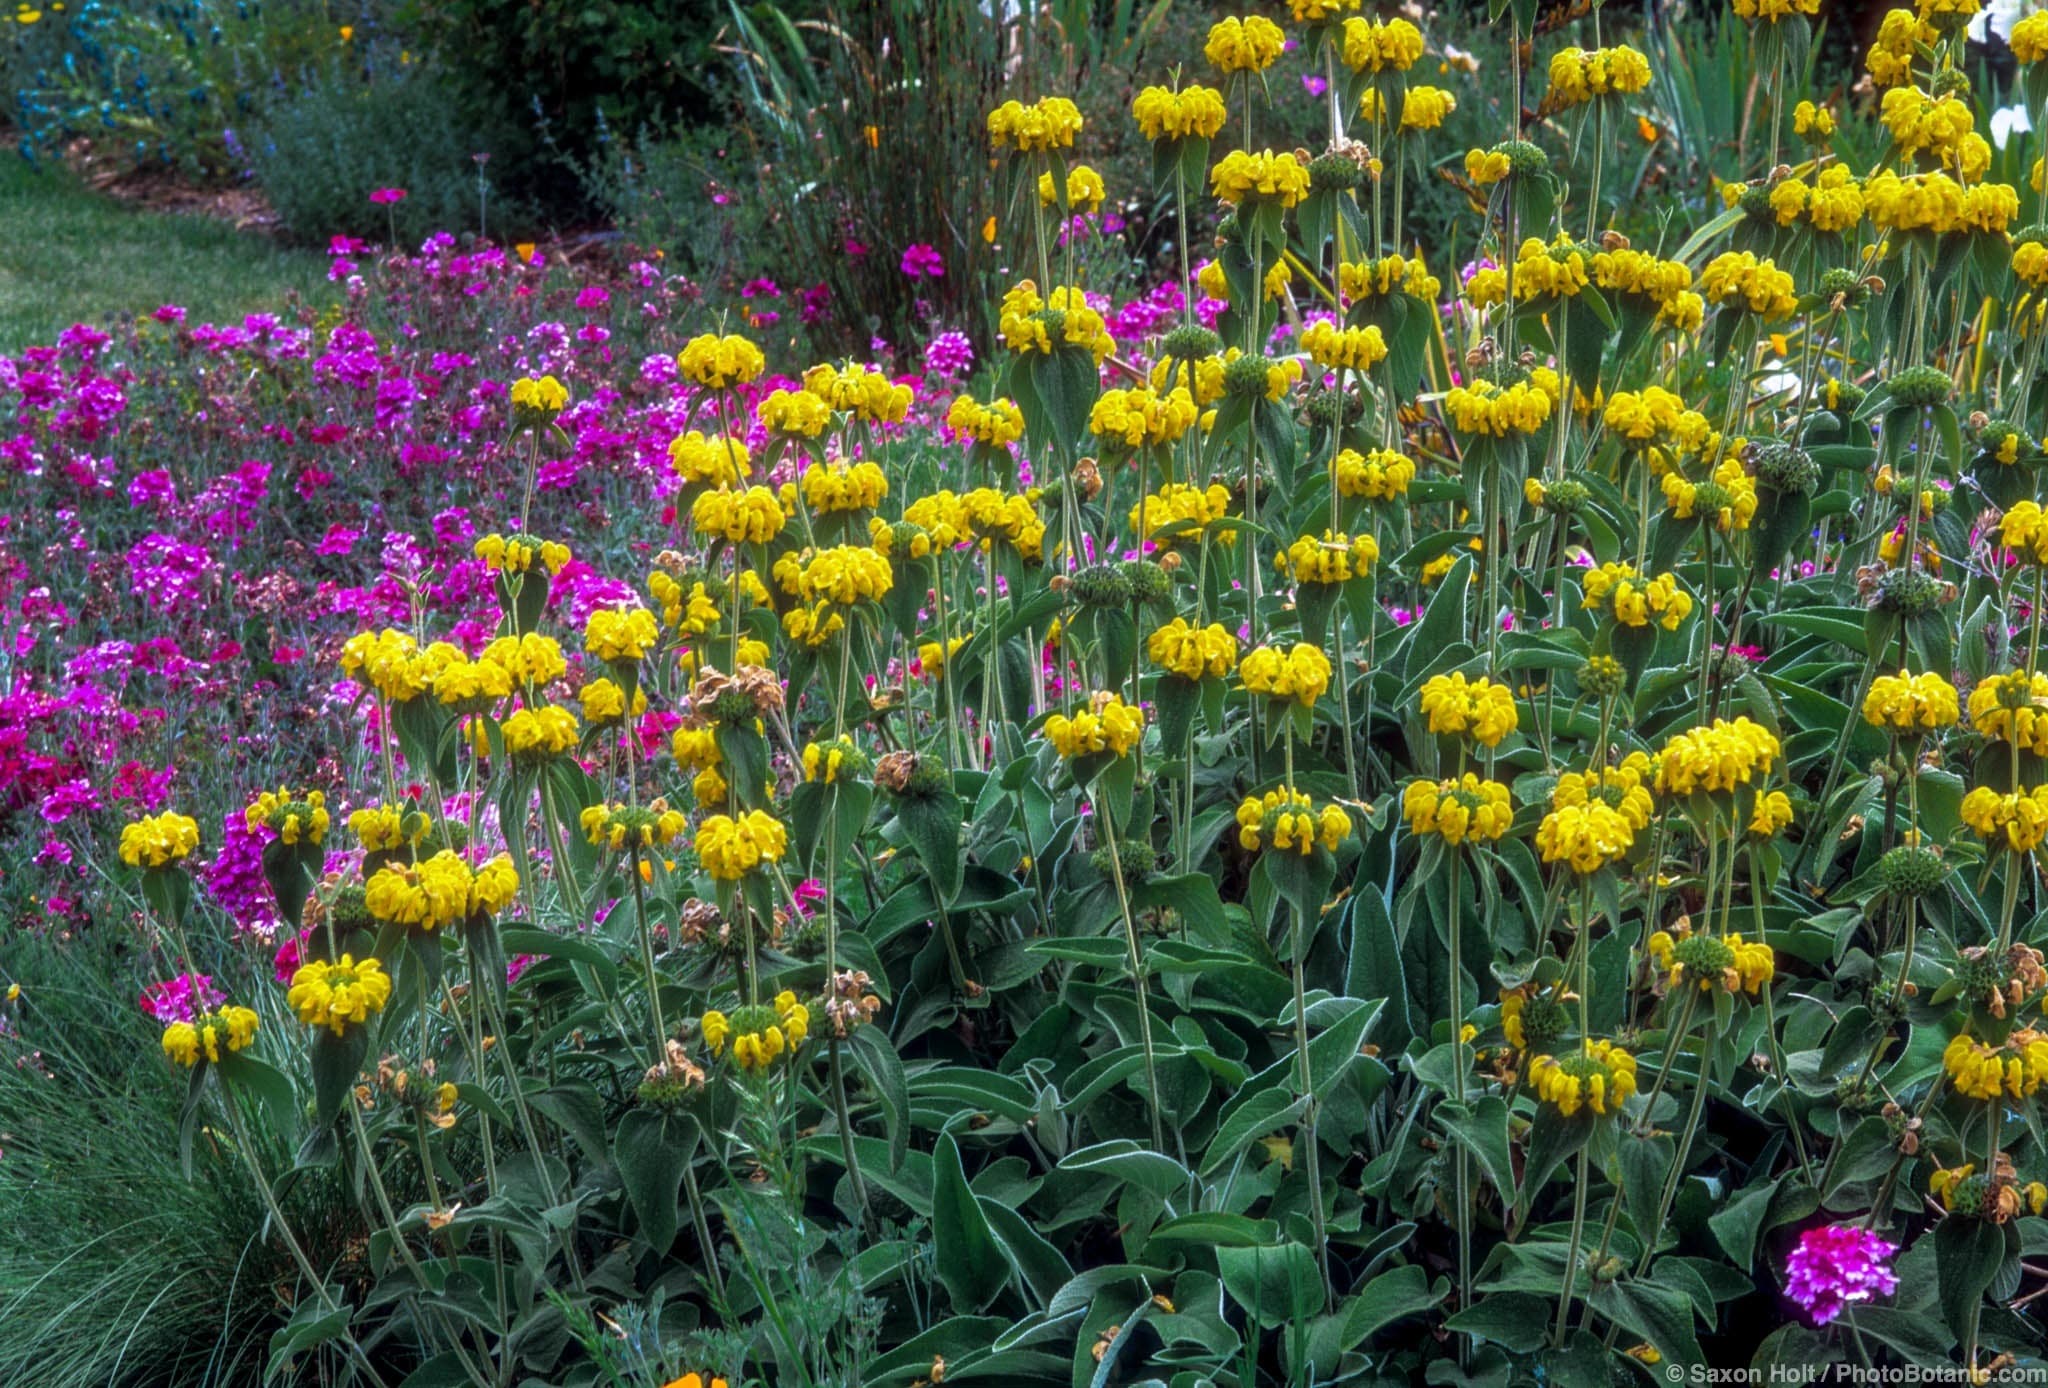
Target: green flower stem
{"x":1708,"y":1039}
{"x":1462,"y":1169}
{"x":705,"y":1246}
{"x":1137,"y":963}
{"x":1775,"y":1047}
{"x":291,"y":1240}
{"x":1571,"y":1257}
{"x":646,"y":934}
{"x":1312,"y":1159}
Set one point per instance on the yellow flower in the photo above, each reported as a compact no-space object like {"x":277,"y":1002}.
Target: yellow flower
{"x":1586,"y":836}
{"x":1620,"y":592}
{"x":1192,"y":652}
{"x":1184,"y":505}
{"x":2029,"y":38}
{"x":1371,"y":45}
{"x":1289,"y":822}
{"x":1026,"y":321}
{"x":1773,"y":813}
{"x":303,"y":819}
{"x":1620,"y":788}
{"x":1381,"y":475}
{"x":1758,"y":285}
{"x":1601,"y":1077}
{"x":1243,"y":45}
{"x":855,"y":390}
{"x":1169,"y":115}
{"x":1388,"y":275}
{"x":538,"y":399}
{"x":1488,"y":409}
{"x":385,"y":661}
{"x":382,"y":829}
{"x":731,"y":848}
{"x":1050,"y":123}
{"x":1479,"y":708}
{"x":1085,"y":190}
{"x":2013,"y":708}
{"x":1108,"y":724}
{"x":718,"y":362}
{"x":1301,"y":674}
{"x":1466,"y":808}
{"x":206,"y":1034}
{"x":1334,"y":558}
{"x":2015,"y":1069}
{"x":1636,"y":272}
{"x":531,"y":659}
{"x":932,"y":658}
{"x":1354,"y":349}
{"x":1140,"y":417}
{"x":429,"y":895}
{"x":515,"y":555}
{"x":1263,"y":176}
{"x":539,"y":733}
{"x":753,"y":516}
{"x":2017,"y":820}
{"x":758,"y":1034}
{"x":339,"y":993}
{"x":715,"y":459}
{"x":1579,"y":75}
{"x":1716,"y":759}
{"x":603,"y":702}
{"x":157,"y":841}
{"x":2024,"y":531}
{"x":998,"y":423}
{"x":792,"y":413}
{"x":1911,"y":703}
{"x":828,"y":761}
{"x":1707,"y":960}
{"x":620,"y":636}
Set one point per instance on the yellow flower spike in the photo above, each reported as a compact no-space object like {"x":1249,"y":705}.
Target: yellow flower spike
{"x":338,"y":994}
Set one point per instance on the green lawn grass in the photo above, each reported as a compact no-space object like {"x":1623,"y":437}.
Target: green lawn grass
{"x":69,"y":254}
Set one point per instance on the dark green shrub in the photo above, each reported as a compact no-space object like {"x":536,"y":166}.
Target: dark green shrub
{"x":352,"y":128}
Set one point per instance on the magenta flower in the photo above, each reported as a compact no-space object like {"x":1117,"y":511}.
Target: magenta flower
{"x":182,"y":998}
{"x":387,"y":197}
{"x":1836,"y":1264}
{"x":921,"y":259}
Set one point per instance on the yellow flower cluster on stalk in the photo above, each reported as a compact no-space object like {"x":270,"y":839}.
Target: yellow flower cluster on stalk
{"x":1717,"y":759}
{"x":1164,"y":114}
{"x":1108,"y":724}
{"x":1619,"y":591}
{"x":732,"y":847}
{"x":1300,"y":673}
{"x":1288,"y":821}
{"x":158,"y":841}
{"x":208,"y":1034}
{"x":1728,"y":962}
{"x":1456,"y":810}
{"x":2014,"y":1069}
{"x":1192,"y":652}
{"x":1480,"y":709}
{"x":1599,"y":1079}
{"x":1579,"y":75}
{"x":1250,"y":44}
{"x":758,"y":1034}
{"x":1911,"y":703}
{"x":1047,"y":124}
{"x":1332,"y":558}
{"x":339,"y":993}
{"x":2015,"y":820}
